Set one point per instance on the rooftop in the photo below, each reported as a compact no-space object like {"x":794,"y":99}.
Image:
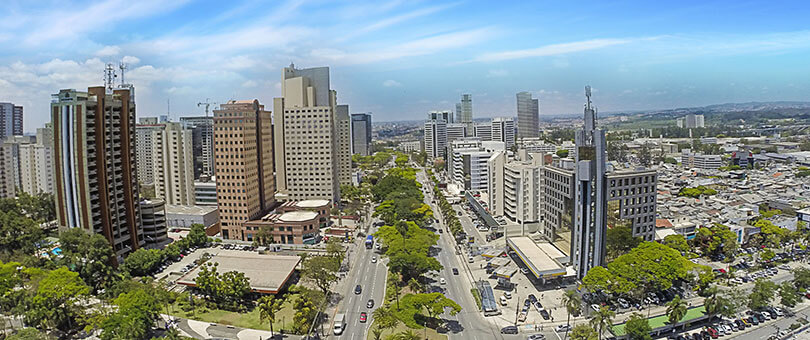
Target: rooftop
{"x":190,"y":209}
{"x":298,"y":216}
{"x":267,"y":273}
{"x":312,"y":203}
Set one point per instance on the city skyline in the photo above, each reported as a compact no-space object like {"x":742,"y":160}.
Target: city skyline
{"x":400,"y":59}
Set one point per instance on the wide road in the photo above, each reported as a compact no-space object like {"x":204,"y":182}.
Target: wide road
{"x":470,"y":323}
{"x":371,"y":277}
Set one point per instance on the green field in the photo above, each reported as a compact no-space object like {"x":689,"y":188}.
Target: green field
{"x":250,"y":319}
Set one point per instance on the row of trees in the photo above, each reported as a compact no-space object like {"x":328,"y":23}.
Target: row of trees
{"x":450,"y":219}
{"x":145,"y":261}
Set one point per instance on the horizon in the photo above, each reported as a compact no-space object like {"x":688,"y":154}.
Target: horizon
{"x":402,"y":59}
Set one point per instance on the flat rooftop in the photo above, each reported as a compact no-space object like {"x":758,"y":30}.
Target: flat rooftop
{"x":190,"y":209}
{"x":298,"y":216}
{"x":267,"y":273}
{"x":312,"y":203}
{"x":540,"y":258}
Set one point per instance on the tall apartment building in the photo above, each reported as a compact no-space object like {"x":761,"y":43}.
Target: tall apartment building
{"x":503,"y":130}
{"x":483,"y":131}
{"x":466,"y":113}
{"x":456,"y":131}
{"x":243,"y":151}
{"x":528,"y":115}
{"x":202,"y":134}
{"x":307,"y":143}
{"x":11,"y":120}
{"x":436,"y":138}
{"x":361,"y":134}
{"x":36,"y":163}
{"x":516,"y":186}
{"x":344,"y":144}
{"x":468,"y":166}
{"x":94,"y":165}
{"x":172,"y":161}
{"x":144,"y":146}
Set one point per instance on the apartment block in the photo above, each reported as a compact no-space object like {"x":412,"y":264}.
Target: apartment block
{"x":144,"y":148}
{"x":344,"y":144}
{"x":202,"y":134}
{"x":96,"y":183}
{"x":528,"y":115}
{"x":503,"y":130}
{"x":483,"y":131}
{"x":243,"y":151}
{"x":173,"y":164}
{"x":36,"y":163}
{"x":11,"y":120}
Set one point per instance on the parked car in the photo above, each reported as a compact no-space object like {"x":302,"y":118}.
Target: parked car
{"x":544,"y":314}
{"x":562,"y":328}
{"x":536,"y":337}
{"x":509,"y":330}
{"x":507,"y":294}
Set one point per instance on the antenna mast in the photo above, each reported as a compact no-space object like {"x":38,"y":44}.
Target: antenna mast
{"x":109,"y":77}
{"x":122,"y":67}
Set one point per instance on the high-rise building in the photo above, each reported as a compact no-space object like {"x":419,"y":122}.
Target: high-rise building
{"x":466,"y":113}
{"x":307,"y":144}
{"x":10,"y":180}
{"x":435,"y":137}
{"x":483,"y":131}
{"x":36,"y":163}
{"x":691,"y":121}
{"x":468,"y":166}
{"x":528,"y":115}
{"x":202,"y":133}
{"x":503,"y":130}
{"x":144,"y":145}
{"x":361,"y":134}
{"x":96,"y":183}
{"x":173,"y":164}
{"x":456,"y":131}
{"x":344,"y":144}
{"x":243,"y":150}
{"x":11,"y":120}
{"x":447,"y":116}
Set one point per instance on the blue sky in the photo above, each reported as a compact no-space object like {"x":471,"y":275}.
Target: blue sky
{"x":400,"y":59}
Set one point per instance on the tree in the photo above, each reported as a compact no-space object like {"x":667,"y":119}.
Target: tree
{"x":762,"y":294}
{"x":268,"y":307}
{"x":196,"y":236}
{"x":676,"y":310}
{"x":136,"y":314}
{"x":788,"y":294}
{"x":142,"y":261}
{"x":644,"y":155}
{"x":617,"y":151}
{"x":573,"y":305}
{"x":435,"y":304}
{"x":638,"y":327}
{"x":602,"y":319}
{"x":405,"y":335}
{"x":597,"y":278}
{"x":719,"y":304}
{"x":147,"y":191}
{"x":88,"y":254}
{"x":59,"y":300}
{"x":307,"y":306}
{"x":226,"y":289}
{"x":30,"y":334}
{"x":40,"y":207}
{"x":438,"y":164}
{"x":19,"y":234}
{"x":583,"y":332}
{"x":563,"y":153}
{"x":620,"y":240}
{"x":801,"y":278}
{"x":385,"y":318}
{"x":322,"y":271}
{"x":677,"y":242}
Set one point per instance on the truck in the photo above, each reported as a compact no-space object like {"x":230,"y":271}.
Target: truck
{"x":369,"y":242}
{"x":340,"y":324}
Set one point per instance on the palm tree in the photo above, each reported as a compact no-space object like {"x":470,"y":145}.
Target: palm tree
{"x":406,"y":335}
{"x":385,"y":318}
{"x":676,"y":309}
{"x":377,"y":333}
{"x":268,"y":307}
{"x":602,"y":319}
{"x":573,"y":305}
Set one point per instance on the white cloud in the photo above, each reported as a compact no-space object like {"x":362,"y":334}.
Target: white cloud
{"x":250,"y":83}
{"x":108,"y":51}
{"x":554,"y":49}
{"x":391,"y":21}
{"x":130,"y":60}
{"x":497,"y":73}
{"x":391,"y":83}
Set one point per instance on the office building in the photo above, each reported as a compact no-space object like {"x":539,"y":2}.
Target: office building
{"x":307,"y":155}
{"x":436,"y":138}
{"x":183,"y":216}
{"x":144,"y":147}
{"x":294,"y":222}
{"x":11,"y":120}
{"x":483,"y":131}
{"x":96,"y":183}
{"x":446,"y":116}
{"x":516,"y":187}
{"x":537,"y":145}
{"x":36,"y":163}
{"x":456,"y":131}
{"x":202,"y":135}
{"x":205,"y":192}
{"x":344,"y":144}
{"x":361,"y":134}
{"x":468,"y":166}
{"x":243,"y":150}
{"x":412,"y":146}
{"x":173,"y":164}
{"x":528,"y":115}
{"x":503,"y":130}
{"x":697,"y":160}
{"x":466,"y":113}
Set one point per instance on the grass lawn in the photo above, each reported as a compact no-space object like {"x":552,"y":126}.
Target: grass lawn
{"x":661,"y":320}
{"x":431,"y":333}
{"x":250,"y":319}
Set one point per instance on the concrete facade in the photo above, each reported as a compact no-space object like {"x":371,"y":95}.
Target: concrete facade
{"x":436,"y":138}
{"x":503,"y":130}
{"x":528,"y":116}
{"x":202,"y":134}
{"x":173,"y":164}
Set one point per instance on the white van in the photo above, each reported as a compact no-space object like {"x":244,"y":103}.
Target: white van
{"x":340,"y":324}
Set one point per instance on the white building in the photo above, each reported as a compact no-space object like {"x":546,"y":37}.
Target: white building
{"x":205,"y":193}
{"x":412,"y":146}
{"x":436,"y":138}
{"x":537,"y":145}
{"x":173,"y":164}
{"x":503,"y":130}
{"x":469,"y":165}
{"x":344,"y":144}
{"x":698,"y":160}
{"x":456,"y":131}
{"x":183,"y":216}
{"x":144,"y":148}
{"x":516,"y":187}
{"x":36,"y":163}
{"x":483,"y":131}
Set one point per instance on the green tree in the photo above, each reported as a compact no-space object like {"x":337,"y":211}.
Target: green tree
{"x":196,"y":236}
{"x":676,"y":310}
{"x":677,"y":242}
{"x":268,"y":308}
{"x":226,"y":289}
{"x":801,"y":278}
{"x":762,"y":294}
{"x":620,"y":240}
{"x":58,"y":301}
{"x":321,"y":271}
{"x":136,"y":314}
{"x":563,"y":153}
{"x":644,"y":155}
{"x":88,"y":254}
{"x":573,"y":305}
{"x":583,"y":332}
{"x":719,"y":304}
{"x":638,"y":327}
{"x":307,"y":306}
{"x":142,"y":261}
{"x":602,"y":319}
{"x":405,"y":335}
{"x":788,"y":294}
{"x":597,"y":278}
{"x":40,"y":207}
{"x":19,"y":234}
{"x":30,"y":334}
{"x":385,"y":318}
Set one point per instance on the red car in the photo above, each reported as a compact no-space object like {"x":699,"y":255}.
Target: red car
{"x":807,"y":295}
{"x":712,"y":332}
{"x":363,"y":317}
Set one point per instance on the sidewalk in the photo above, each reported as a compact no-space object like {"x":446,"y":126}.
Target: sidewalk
{"x":200,"y":330}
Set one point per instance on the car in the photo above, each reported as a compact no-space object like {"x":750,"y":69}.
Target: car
{"x":507,"y":294}
{"x":712,"y":333}
{"x":525,"y":271}
{"x":373,"y":259}
{"x":623,"y":303}
{"x":455,"y":271}
{"x":370,"y":303}
{"x":442,"y":281}
{"x":509,"y":330}
{"x":532,"y":298}
{"x":363,"y":317}
{"x":563,"y":328}
{"x":536,"y":337}
{"x":378,"y":246}
{"x":544,"y":314}
{"x":503,"y":300}
{"x":595,"y":307}
{"x":358,"y":289}
{"x":538,"y":306}
{"x":470,"y":259}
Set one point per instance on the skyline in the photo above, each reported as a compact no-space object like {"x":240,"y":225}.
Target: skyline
{"x":400,"y":59}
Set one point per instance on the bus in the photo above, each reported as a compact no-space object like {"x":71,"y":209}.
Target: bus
{"x":369,"y":242}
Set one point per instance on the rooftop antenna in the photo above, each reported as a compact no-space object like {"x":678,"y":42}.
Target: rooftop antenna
{"x":109,"y":77}
{"x":207,"y":104}
{"x":122,"y":67}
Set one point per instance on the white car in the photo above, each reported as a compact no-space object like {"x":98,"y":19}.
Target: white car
{"x":563,"y":328}
{"x":373,"y":259}
{"x":442,"y":281}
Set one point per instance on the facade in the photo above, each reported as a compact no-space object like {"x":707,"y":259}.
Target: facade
{"x":483,"y":131}
{"x":528,"y":115}
{"x":205,"y":193}
{"x":516,"y":187}
{"x":36,"y":163}
{"x":436,"y":138}
{"x":466,"y":114}
{"x":11,"y":164}
{"x":456,"y":131}
{"x":292,"y":223}
{"x":361,"y":134}
{"x":412,"y":146}
{"x":344,"y":144}
{"x":11,"y":120}
{"x":243,"y":150}
{"x":183,"y":216}
{"x":503,"y":130}
{"x":96,"y":183}
{"x":144,"y":148}
{"x":153,"y":218}
{"x":469,"y":166}
{"x":697,"y":160}
{"x":446,"y":116}
{"x":173,"y":164}
{"x":307,"y":155}
{"x":202,"y":134}
{"x":691,"y":121}
{"x":537,"y":145}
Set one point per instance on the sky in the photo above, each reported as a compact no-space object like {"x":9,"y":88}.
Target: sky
{"x":400,"y":59}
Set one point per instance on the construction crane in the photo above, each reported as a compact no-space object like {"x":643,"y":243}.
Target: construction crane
{"x":207,"y":104}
